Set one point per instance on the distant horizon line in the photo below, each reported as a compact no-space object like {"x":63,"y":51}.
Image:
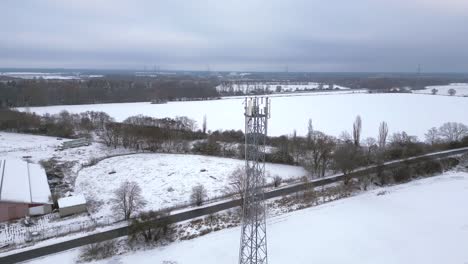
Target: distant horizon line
{"x":26,"y":69}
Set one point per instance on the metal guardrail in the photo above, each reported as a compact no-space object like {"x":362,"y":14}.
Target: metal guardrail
{"x":214,"y":208}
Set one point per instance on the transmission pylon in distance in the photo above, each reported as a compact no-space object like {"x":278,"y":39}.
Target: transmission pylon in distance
{"x":253,"y":242}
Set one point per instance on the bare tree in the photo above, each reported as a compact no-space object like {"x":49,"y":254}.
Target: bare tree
{"x":347,"y":158}
{"x":357,"y":129}
{"x":452,"y":92}
{"x":310,"y":129}
{"x":452,"y":131}
{"x":198,"y":195}
{"x":318,"y":153}
{"x":128,"y":199}
{"x":434,"y":91}
{"x":295,"y":147}
{"x":185,"y":123}
{"x":204,"y":124}
{"x":402,"y":138}
{"x":345,"y":137}
{"x":432,"y":136}
{"x":237,"y":182}
{"x":383,"y":134}
{"x":371,"y":150}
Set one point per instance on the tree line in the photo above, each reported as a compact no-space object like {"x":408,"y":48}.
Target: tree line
{"x":37,"y":92}
{"x":318,"y":152}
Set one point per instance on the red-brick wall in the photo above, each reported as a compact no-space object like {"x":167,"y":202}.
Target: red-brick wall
{"x":10,"y":211}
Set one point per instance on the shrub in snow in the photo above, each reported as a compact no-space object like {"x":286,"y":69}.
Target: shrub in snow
{"x":209,"y":147}
{"x":277,"y":181}
{"x":198,"y":195}
{"x":365,"y":181}
{"x":381,"y":193}
{"x":402,"y":174}
{"x":449,"y":163}
{"x":98,"y":251}
{"x":309,"y":193}
{"x":428,"y":167}
{"x":91,"y":162}
{"x":150,"y":227}
{"x":464,"y":159}
{"x":93,"y":204}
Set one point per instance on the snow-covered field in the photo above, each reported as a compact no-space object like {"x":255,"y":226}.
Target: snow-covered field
{"x":332,"y":114}
{"x":17,"y":146}
{"x":166,"y":179}
{"x":272,"y":87}
{"x":419,"y":222}
{"x":47,"y":75}
{"x":13,"y":145}
{"x":461,"y":88}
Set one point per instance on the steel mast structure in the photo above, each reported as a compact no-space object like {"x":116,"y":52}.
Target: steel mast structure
{"x":253,"y":243}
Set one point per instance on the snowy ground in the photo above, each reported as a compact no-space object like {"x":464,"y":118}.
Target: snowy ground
{"x":166,"y":179}
{"x":419,"y":222}
{"x":47,"y":75}
{"x":17,"y":146}
{"x":35,"y":149}
{"x":332,"y":114}
{"x":272,"y":86}
{"x":13,"y":145}
{"x":461,"y":88}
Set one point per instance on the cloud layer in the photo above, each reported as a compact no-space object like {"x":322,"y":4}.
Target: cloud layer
{"x":305,"y":35}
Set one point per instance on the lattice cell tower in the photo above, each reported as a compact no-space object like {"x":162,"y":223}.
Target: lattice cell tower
{"x":253,"y":243}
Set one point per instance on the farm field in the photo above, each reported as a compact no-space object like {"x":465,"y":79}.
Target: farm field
{"x":166,"y":179}
{"x":461,"y":88}
{"x":401,"y":226}
{"x":332,"y":113}
{"x":272,"y":86}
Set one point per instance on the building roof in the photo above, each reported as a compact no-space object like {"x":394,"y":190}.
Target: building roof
{"x":23,"y":182}
{"x":71,"y":201}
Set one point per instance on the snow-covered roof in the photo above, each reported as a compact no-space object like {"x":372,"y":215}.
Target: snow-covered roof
{"x":23,"y":182}
{"x":71,"y":201}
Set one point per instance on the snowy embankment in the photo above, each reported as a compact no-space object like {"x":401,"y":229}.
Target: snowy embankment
{"x":460,"y":88}
{"x":418,"y":222}
{"x":166,"y":179}
{"x":331,"y":114}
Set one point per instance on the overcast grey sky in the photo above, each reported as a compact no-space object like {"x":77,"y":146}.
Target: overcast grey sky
{"x":262,"y":35}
